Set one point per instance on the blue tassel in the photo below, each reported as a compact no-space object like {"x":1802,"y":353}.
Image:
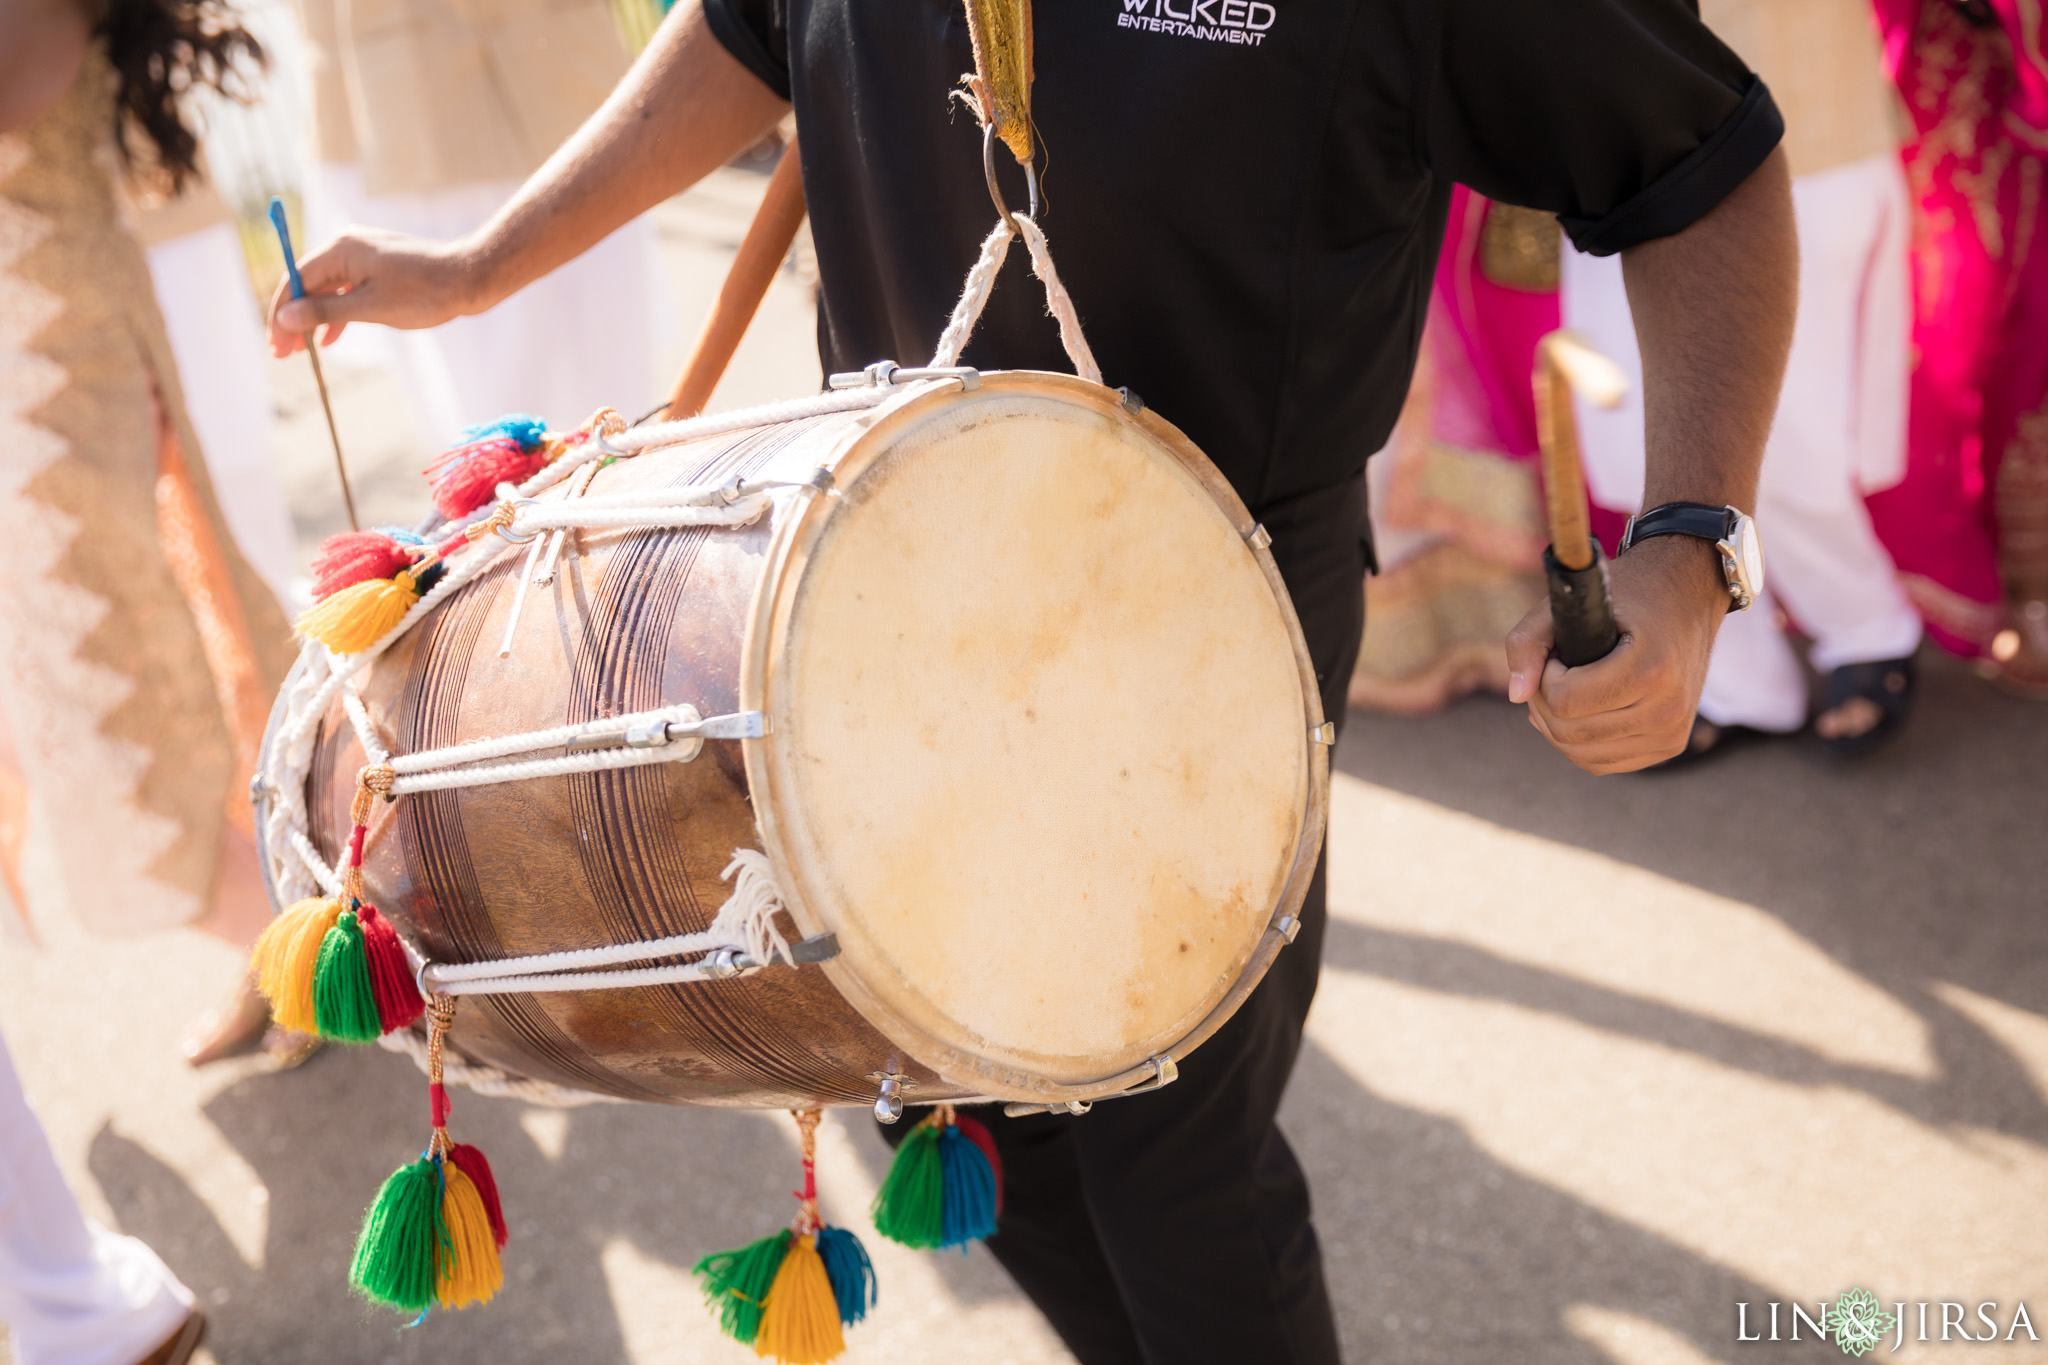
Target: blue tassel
{"x":969,"y":1210}
{"x":522,"y":427}
{"x":850,"y":1272}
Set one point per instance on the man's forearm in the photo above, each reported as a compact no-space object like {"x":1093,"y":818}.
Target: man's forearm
{"x":685,"y":108}
{"x":1713,"y":311}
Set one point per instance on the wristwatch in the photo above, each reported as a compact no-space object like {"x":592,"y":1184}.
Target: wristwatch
{"x":1733,"y":534}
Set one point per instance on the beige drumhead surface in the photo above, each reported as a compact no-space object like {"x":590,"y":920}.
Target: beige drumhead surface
{"x":1039,"y":750}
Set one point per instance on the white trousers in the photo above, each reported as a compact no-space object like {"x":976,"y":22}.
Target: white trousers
{"x":71,"y":1293}
{"x":584,"y":337}
{"x":216,"y":332}
{"x":1839,"y":433}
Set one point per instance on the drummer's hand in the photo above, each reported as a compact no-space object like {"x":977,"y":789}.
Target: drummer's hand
{"x":1634,"y":707}
{"x":370,"y":275}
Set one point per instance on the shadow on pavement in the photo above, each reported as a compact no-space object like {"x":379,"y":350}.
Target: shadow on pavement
{"x":1923,"y":863}
{"x":1434,"y":1251}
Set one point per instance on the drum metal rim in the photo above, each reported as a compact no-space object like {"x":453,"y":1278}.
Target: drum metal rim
{"x":767,"y":623}
{"x":262,"y":796}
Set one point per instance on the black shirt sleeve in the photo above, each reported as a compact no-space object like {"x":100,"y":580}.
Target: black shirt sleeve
{"x":756,"y":33}
{"x":1627,"y":119}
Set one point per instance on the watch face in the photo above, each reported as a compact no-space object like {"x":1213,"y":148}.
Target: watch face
{"x":1745,"y":560}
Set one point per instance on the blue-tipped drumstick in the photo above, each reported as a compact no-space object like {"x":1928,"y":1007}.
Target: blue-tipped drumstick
{"x":291,"y":265}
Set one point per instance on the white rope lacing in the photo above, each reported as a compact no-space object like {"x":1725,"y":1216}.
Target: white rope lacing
{"x":745,"y":923}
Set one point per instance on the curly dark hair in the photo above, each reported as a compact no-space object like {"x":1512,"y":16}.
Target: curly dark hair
{"x":161,"y":50}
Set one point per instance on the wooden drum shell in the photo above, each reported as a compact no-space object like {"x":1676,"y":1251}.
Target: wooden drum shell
{"x":635,"y":620}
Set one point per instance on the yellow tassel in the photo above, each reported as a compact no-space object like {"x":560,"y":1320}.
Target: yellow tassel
{"x":285,"y":956}
{"x":360,"y":615}
{"x":800,"y":1316}
{"x":275,"y":940}
{"x":466,"y":1269}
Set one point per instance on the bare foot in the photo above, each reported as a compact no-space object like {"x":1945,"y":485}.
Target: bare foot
{"x":1855,"y":717}
{"x":2020,"y":652}
{"x":232,"y":1026}
{"x":285,"y":1048}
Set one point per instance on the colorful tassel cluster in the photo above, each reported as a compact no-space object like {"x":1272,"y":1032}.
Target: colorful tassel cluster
{"x":945,"y":1187}
{"x":435,"y":1230}
{"x":336,"y":967}
{"x":364,"y":582}
{"x":510,"y":450}
{"x":791,"y":1294}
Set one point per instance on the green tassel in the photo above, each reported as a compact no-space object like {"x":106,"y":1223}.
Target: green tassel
{"x":736,"y":1283}
{"x":911,"y":1205}
{"x":344,"y":1005}
{"x":394,"y":1260}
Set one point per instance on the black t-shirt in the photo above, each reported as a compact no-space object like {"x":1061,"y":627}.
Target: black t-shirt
{"x":1245,"y":197}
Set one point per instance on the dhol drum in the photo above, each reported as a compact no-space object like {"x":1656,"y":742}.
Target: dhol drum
{"x":999,"y":677}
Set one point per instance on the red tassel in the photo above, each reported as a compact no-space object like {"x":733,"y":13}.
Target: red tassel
{"x":399,"y":1003}
{"x":354,"y":557}
{"x":466,"y":477}
{"x":981,"y":1137}
{"x":471,"y":1163}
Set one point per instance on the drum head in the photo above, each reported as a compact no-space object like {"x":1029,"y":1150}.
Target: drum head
{"x":1040,"y":717}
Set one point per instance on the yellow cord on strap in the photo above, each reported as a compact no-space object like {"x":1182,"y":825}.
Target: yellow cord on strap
{"x":1003,"y":72}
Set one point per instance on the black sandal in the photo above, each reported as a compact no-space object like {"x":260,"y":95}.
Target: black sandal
{"x":1887,"y":685}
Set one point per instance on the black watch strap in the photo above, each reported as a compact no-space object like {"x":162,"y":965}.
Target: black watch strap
{"x":1679,"y":519}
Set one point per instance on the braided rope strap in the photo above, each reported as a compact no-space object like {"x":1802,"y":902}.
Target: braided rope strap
{"x":981,"y":282}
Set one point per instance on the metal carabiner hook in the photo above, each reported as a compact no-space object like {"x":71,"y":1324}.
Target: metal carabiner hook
{"x":988,"y":169}
{"x":995,"y":191}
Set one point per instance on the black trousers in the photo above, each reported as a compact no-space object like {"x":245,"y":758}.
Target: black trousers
{"x":1173,"y":1228}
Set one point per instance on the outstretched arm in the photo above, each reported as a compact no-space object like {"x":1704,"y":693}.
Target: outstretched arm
{"x":684,"y":109}
{"x":1713,"y":309}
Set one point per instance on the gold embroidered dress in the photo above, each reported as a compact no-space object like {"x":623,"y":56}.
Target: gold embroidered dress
{"x":138,"y":652}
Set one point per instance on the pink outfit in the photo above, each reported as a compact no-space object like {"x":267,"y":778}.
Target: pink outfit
{"x":1483,"y":338}
{"x":1978,"y":435}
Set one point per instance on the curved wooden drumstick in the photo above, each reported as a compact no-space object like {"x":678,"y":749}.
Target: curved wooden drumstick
{"x":1579,"y":606}
{"x":753,"y":269}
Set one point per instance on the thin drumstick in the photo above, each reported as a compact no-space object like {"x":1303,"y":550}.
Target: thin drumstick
{"x":753,"y":269}
{"x":291,"y":265}
{"x":1580,"y":610}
